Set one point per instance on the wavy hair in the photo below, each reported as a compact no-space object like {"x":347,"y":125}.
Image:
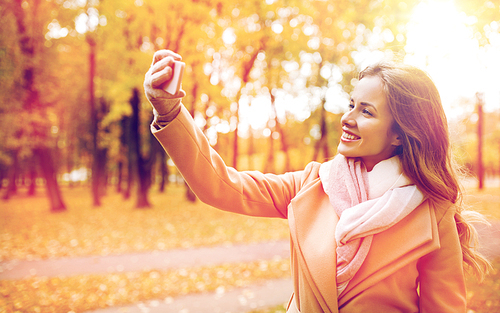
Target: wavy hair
{"x":425,"y":150}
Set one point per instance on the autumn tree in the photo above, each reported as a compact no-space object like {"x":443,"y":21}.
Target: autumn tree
{"x":34,"y":87}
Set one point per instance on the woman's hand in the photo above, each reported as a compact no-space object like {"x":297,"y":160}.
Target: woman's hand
{"x":159,"y":74}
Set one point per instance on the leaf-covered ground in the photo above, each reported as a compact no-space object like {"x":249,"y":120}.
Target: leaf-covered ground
{"x":29,"y":231}
{"x":90,"y":292}
{"x":484,"y":297}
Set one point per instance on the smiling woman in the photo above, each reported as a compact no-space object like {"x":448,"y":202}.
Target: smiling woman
{"x":379,"y":228}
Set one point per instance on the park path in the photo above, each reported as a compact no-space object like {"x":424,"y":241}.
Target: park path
{"x":270,"y":293}
{"x":158,"y":260}
{"x":266,"y":294}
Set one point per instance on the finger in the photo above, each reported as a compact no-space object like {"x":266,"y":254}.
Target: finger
{"x":160,"y":77}
{"x":162,"y":64}
{"x":161,"y":54}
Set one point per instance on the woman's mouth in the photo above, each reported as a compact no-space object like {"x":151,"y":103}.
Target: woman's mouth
{"x":349,"y":136}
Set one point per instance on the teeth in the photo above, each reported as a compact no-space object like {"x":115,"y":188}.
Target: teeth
{"x":349,"y":136}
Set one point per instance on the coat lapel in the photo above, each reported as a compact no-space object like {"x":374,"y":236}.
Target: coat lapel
{"x":411,"y":238}
{"x":312,"y":226}
{"x":312,"y":222}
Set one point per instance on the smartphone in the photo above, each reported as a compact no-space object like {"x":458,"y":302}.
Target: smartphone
{"x":174,"y":85}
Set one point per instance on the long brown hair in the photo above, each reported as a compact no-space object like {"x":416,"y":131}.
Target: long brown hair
{"x":425,"y":151}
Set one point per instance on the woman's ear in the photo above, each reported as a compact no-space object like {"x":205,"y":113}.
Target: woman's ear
{"x":396,"y":140}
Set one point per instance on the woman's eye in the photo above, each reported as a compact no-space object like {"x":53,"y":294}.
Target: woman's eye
{"x":366,"y":111}
{"x":351,"y":106}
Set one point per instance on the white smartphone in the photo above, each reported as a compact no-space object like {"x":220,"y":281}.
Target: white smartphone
{"x":174,"y":85}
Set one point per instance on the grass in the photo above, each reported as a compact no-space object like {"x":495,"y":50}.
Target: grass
{"x":28,"y":231}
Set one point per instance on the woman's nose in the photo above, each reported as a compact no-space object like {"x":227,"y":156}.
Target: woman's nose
{"x":348,"y":119}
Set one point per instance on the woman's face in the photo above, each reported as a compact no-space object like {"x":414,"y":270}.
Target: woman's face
{"x":367,"y":125}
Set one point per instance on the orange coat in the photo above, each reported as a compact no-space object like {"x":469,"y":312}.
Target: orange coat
{"x":414,"y":266}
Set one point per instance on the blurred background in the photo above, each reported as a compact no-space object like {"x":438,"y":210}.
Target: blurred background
{"x":266,"y":80}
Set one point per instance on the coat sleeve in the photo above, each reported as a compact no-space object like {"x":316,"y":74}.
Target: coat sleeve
{"x":251,"y":193}
{"x":442,"y":282}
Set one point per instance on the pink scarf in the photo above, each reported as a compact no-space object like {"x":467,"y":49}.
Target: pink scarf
{"x":366,"y":203}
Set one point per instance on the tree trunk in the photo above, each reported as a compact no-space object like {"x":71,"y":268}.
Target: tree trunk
{"x":149,"y":162}
{"x":70,"y":164}
{"x":164,"y":173}
{"x":246,"y":68}
{"x":190,"y":196}
{"x":96,"y":175}
{"x":251,"y":149}
{"x":49,"y":173}
{"x":235,"y":138}
{"x":120,"y":177}
{"x":135,"y":145}
{"x":32,"y":173}
{"x":284,"y":145}
{"x":269,"y":166}
{"x":130,"y":175}
{"x":32,"y":103}
{"x":12,"y":174}
{"x":2,"y":175}
{"x":480,"y":164}
{"x":102,"y":176}
{"x":142,"y":190}
{"x":322,"y":143}
{"x":126,"y":149}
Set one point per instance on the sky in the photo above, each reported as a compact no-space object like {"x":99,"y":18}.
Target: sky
{"x":441,"y":41}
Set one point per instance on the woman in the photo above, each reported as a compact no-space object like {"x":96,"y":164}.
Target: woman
{"x":379,"y":228}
